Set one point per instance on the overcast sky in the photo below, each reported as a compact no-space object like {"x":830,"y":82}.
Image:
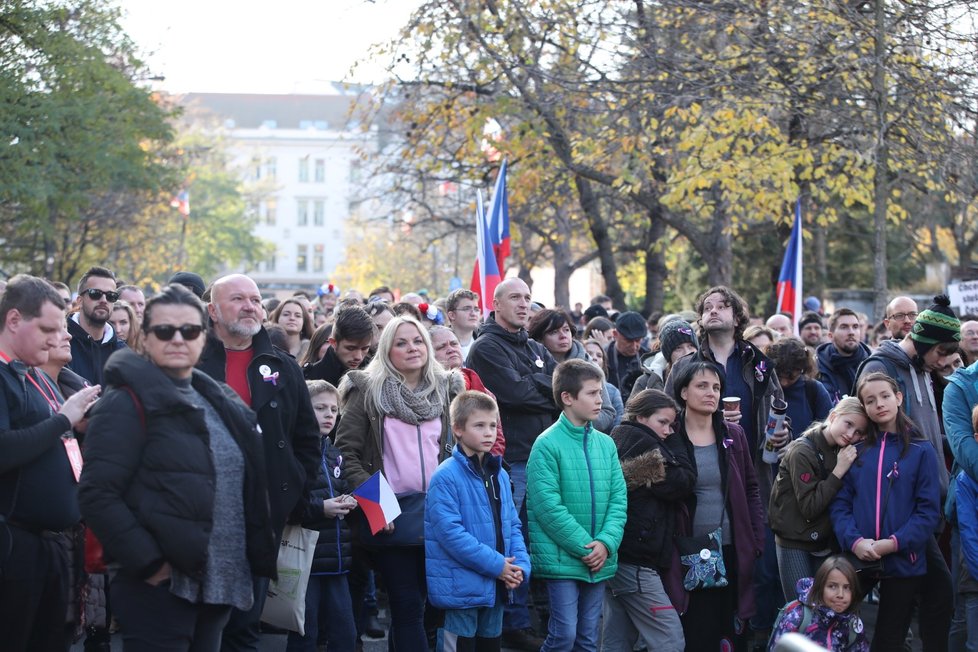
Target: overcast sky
{"x":282,"y":46}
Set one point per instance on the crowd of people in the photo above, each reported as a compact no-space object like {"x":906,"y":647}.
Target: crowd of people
{"x":567,"y":479}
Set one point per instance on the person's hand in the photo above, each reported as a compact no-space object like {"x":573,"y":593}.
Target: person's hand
{"x":78,"y":404}
{"x":162,"y":575}
{"x":338,"y":507}
{"x":603,"y":337}
{"x":866,"y":550}
{"x":884,"y":547}
{"x":733,"y":416}
{"x":595,"y":559}
{"x":511,"y":575}
{"x":388,"y":529}
{"x":844,"y":462}
{"x":781,"y":437}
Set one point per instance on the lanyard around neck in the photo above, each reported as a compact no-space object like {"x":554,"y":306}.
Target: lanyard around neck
{"x":50,"y":396}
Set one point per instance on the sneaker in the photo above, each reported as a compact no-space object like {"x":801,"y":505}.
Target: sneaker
{"x":522,"y":639}
{"x":373,"y":628}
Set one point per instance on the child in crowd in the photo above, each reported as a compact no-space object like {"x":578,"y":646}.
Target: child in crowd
{"x":576,"y":503}
{"x":966,"y":505}
{"x":809,"y":477}
{"x":826,"y":611}
{"x":474,"y":551}
{"x":329,"y":609}
{"x":888,"y":508}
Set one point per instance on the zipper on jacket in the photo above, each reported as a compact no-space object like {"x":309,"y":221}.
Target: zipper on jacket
{"x":590,"y":482}
{"x":336,"y":525}
{"x":424,"y":474}
{"x":879,"y":482}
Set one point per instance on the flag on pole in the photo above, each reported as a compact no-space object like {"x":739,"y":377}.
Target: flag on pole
{"x":485,"y":275}
{"x":499,"y":220}
{"x":789,"y":280}
{"x":378,"y":502}
{"x":181,"y":202}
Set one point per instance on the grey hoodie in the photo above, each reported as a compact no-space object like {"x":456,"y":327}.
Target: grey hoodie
{"x":918,"y":399}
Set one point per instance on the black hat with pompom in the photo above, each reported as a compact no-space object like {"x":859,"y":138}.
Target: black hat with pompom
{"x":936,"y":325}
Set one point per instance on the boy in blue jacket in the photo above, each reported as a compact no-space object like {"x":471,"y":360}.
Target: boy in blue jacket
{"x":474,"y":552}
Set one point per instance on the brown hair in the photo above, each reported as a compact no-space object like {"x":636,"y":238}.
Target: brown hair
{"x":468,"y":402}
{"x":307,"y":326}
{"x":844,"y":566}
{"x":740,"y":312}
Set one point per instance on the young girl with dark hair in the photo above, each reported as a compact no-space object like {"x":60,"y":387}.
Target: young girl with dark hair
{"x":888,"y":508}
{"x":659,"y":475}
{"x":826,"y":611}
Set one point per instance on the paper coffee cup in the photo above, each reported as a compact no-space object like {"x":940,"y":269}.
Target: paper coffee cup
{"x":731,"y":403}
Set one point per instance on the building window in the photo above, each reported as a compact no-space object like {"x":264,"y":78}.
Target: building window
{"x":270,"y":264}
{"x":271,"y":210}
{"x":304,"y":170}
{"x":320,"y":170}
{"x":302,"y":216}
{"x":302,"y":258}
{"x":318,"y":212}
{"x":256,"y":168}
{"x":271,"y":167}
{"x":317,"y":257}
{"x":355,"y":170}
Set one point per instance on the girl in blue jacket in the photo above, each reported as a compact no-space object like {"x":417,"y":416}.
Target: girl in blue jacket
{"x":889,"y":508}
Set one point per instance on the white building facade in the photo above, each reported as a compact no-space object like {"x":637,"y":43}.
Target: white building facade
{"x":302,"y":161}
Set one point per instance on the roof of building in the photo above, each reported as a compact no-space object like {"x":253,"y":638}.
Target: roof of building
{"x":253,"y":110}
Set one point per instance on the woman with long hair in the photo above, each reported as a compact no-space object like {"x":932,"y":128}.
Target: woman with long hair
{"x":396,"y":420}
{"x":293,"y":317}
{"x":725,"y":497}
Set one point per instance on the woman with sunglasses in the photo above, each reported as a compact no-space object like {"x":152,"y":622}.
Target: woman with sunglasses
{"x":174,"y":487}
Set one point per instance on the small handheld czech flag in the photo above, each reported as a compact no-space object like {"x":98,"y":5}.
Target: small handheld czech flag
{"x":378,"y":502}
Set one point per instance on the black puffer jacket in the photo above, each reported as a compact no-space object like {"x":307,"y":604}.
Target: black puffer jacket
{"x":659,"y":476}
{"x":147,"y":488}
{"x":334,"y":553}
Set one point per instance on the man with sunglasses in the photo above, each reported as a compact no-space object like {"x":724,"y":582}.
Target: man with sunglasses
{"x":92,"y":338}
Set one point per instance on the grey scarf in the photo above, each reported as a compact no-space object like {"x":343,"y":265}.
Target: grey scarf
{"x":410,"y":406}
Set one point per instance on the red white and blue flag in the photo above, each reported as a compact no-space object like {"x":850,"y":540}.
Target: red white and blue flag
{"x":789,"y":280}
{"x":181,"y":202}
{"x":378,"y":502}
{"x":499,"y":220}
{"x":485,"y":275}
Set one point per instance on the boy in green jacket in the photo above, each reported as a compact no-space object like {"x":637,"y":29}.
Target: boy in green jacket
{"x":576,"y":504}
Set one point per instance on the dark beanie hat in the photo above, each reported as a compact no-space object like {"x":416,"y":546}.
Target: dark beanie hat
{"x":595,"y":310}
{"x":674,"y":333}
{"x":189,"y":280}
{"x":936,"y":325}
{"x":810,"y":317}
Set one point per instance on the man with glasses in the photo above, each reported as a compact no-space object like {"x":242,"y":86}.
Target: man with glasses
{"x":270,"y":382}
{"x":899,"y":318}
{"x":92,"y":338}
{"x":464,"y":317}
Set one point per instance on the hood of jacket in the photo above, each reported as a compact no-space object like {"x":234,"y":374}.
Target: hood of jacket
{"x":518,"y":338}
{"x":891,"y":350}
{"x":831,"y":359}
{"x":155,"y":389}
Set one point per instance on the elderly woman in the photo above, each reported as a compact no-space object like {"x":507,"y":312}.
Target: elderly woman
{"x":173,"y":486}
{"x":395,"y":420}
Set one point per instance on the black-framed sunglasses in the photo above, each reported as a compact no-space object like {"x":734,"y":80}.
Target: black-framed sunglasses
{"x":166,"y":332}
{"x":96,"y":295}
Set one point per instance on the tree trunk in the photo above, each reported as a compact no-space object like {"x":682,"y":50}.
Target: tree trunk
{"x":880,"y":181}
{"x":719,"y":257}
{"x":599,"y":231}
{"x":655,"y":266}
{"x":821,"y":260}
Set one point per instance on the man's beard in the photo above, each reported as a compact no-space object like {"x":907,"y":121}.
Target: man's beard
{"x":96,"y":320}
{"x":236,"y":328}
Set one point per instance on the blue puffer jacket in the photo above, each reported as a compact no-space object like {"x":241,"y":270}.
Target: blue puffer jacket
{"x":461,"y":561}
{"x":886,"y":495}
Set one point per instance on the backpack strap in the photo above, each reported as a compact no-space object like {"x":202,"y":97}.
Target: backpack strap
{"x":137,"y":403}
{"x":811,"y":393}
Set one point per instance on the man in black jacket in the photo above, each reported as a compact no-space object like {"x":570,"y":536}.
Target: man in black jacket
{"x":271,"y":383}
{"x":518,"y":371}
{"x":839,"y":358}
{"x":38,"y":469}
{"x":349,"y":346}
{"x":92,"y":338}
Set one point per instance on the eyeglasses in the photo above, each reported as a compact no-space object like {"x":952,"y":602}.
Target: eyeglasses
{"x":165,"y":332}
{"x":467,"y":309}
{"x":900,"y":316}
{"x":96,"y":295}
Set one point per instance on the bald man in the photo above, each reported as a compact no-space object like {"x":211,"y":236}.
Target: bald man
{"x":899,"y":318}
{"x":969,"y":341}
{"x":268,"y":380}
{"x":517,"y":370}
{"x":781,"y":324}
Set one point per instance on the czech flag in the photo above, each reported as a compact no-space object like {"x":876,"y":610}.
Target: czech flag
{"x":499,"y":220}
{"x":181,"y":202}
{"x":789,"y":280}
{"x":378,"y":502}
{"x":485,"y":275}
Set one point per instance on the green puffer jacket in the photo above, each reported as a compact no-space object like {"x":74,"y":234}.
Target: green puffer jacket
{"x":575,"y":494}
